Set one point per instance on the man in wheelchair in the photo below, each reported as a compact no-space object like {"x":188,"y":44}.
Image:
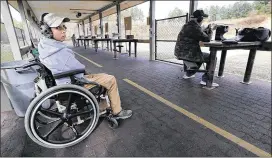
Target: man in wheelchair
{"x":55,"y":55}
{"x":188,"y":46}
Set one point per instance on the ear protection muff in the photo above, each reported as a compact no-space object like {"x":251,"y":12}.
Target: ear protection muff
{"x":199,"y":19}
{"x":45,"y":29}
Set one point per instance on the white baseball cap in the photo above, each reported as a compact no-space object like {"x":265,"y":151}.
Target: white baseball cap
{"x":52,"y":20}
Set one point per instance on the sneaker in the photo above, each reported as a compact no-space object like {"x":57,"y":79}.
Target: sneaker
{"x":187,"y":77}
{"x":124,"y":114}
{"x":213,"y":84}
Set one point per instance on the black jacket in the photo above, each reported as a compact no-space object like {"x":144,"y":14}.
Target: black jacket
{"x":187,"y":46}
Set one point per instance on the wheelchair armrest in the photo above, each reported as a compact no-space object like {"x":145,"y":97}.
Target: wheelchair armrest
{"x":68,"y":73}
{"x":85,"y":81}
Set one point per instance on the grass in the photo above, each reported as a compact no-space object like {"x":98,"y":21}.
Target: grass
{"x":6,"y":57}
{"x":6,"y":53}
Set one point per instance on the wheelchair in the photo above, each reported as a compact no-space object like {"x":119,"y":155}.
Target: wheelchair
{"x":60,"y":116}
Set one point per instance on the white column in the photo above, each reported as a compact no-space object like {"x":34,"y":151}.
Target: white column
{"x":78,"y":30}
{"x":83,"y":28}
{"x":8,"y":22}
{"x":90,"y":26}
{"x":152,"y":29}
{"x":26,"y":30}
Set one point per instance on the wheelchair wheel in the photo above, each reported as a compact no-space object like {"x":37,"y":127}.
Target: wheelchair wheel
{"x":64,"y":123}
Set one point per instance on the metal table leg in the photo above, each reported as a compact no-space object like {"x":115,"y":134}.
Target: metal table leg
{"x":222,"y":63}
{"x":111,"y":45}
{"x":135,"y":48}
{"x":211,"y":69}
{"x":129,"y":48}
{"x":96,"y":45}
{"x":250,"y":63}
{"x":114,"y":51}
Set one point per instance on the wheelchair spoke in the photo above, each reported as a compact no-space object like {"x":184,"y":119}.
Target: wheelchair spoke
{"x":75,"y":131}
{"x":50,"y":112}
{"x":81,"y":113}
{"x":53,"y":129}
{"x":69,"y":103}
{"x":46,"y":123}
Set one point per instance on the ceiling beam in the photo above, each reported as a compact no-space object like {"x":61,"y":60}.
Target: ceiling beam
{"x":104,"y":8}
{"x":84,"y":9}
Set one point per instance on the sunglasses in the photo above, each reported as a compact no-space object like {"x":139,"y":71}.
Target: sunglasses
{"x":61,"y":27}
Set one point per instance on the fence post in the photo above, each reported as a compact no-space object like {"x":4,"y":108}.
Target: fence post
{"x":156,"y":34}
{"x":152,"y":29}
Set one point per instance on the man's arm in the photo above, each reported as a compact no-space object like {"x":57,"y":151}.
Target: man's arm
{"x":202,"y":35}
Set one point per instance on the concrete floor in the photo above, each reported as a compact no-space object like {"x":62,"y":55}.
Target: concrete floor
{"x":155,"y":128}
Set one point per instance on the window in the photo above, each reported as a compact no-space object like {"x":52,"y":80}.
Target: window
{"x":139,"y":15}
{"x":96,"y":24}
{"x":167,"y":9}
{"x":6,"y":53}
{"x":112,"y":24}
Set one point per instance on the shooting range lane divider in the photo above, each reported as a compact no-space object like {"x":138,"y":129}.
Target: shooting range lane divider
{"x":98,"y":65}
{"x":218,"y":130}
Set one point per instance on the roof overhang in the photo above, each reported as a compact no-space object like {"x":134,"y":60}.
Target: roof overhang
{"x":70,"y":8}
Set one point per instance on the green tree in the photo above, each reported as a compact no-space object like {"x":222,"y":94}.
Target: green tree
{"x":241,"y":9}
{"x":18,"y":24}
{"x":213,"y":13}
{"x":175,"y":12}
{"x":262,"y":6}
{"x":135,"y":13}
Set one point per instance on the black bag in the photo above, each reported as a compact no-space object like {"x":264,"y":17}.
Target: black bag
{"x":253,"y":34}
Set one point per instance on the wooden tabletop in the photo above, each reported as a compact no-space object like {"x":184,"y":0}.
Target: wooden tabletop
{"x":265,"y":46}
{"x":84,"y":39}
{"x":240,"y":44}
{"x":102,"y":39}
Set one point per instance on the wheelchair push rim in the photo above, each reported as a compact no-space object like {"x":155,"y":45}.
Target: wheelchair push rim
{"x":68,"y":118}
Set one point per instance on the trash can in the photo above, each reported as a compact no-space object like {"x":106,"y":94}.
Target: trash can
{"x":18,"y":84}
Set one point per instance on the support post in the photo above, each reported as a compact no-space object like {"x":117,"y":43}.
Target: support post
{"x":192,"y":7}
{"x":152,"y":29}
{"x":8,"y":22}
{"x":118,"y":19}
{"x":101,"y":24}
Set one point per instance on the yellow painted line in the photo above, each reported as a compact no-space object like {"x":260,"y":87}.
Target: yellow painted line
{"x":218,"y":130}
{"x":98,"y":65}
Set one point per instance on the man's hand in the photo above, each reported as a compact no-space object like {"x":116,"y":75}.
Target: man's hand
{"x":211,"y":27}
{"x":214,"y":26}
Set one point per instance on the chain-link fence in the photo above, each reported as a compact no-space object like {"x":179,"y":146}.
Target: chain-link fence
{"x":167,"y":31}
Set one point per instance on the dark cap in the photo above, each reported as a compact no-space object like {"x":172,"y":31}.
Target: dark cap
{"x":199,"y":13}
